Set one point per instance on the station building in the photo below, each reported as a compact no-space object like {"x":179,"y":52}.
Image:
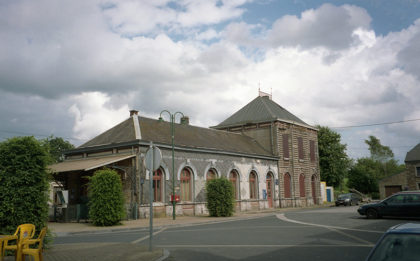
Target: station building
{"x":269,"y":155}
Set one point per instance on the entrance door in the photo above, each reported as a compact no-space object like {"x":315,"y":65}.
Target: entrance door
{"x":313,"y":183}
{"x":269,"y":183}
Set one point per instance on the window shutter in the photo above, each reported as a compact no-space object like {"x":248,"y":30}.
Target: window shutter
{"x":300,"y":148}
{"x":286,"y":146}
{"x":312,"y":150}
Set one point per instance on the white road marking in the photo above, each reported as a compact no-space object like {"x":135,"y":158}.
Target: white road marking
{"x":259,"y":246}
{"x":284,"y":218}
{"x":335,"y":229}
{"x":146,"y":237}
{"x":352,"y":237}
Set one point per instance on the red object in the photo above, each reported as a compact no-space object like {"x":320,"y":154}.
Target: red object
{"x":176,"y":198}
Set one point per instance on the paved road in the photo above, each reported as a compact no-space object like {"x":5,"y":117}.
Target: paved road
{"x":336,"y":233}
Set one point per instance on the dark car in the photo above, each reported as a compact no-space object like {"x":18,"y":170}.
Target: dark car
{"x":348,"y":199}
{"x":400,"y":243}
{"x":401,"y":204}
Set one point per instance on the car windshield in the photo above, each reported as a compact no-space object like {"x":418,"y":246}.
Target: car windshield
{"x":344,"y":196}
{"x":401,"y":247}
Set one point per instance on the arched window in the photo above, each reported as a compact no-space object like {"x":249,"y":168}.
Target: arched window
{"x":157,"y":185}
{"x":253,"y":185}
{"x":302,"y":186}
{"x":313,"y":186}
{"x":234,"y":179}
{"x":211,"y":174}
{"x":186,"y":181}
{"x":287,"y":186}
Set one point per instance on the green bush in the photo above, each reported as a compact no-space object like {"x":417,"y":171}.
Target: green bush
{"x":220,"y":198}
{"x":106,"y":200}
{"x":23,"y":184}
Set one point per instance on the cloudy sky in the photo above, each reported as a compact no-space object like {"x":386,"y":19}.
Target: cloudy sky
{"x":75,"y":68}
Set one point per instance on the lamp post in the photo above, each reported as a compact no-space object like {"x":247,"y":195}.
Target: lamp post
{"x":172,"y":118}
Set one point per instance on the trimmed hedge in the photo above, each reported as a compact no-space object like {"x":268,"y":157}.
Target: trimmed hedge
{"x":220,"y":198}
{"x":106,"y":199}
{"x":23,"y":184}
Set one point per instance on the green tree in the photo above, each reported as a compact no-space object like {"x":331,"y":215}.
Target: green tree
{"x":333,"y":160}
{"x":106,"y":199}
{"x":366,"y":173}
{"x":55,"y":146}
{"x":220,"y":198}
{"x":363,"y":176}
{"x":23,"y":184}
{"x":383,"y":155}
{"x":378,"y":151}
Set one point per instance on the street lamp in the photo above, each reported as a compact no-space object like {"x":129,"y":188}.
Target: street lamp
{"x":172,"y":117}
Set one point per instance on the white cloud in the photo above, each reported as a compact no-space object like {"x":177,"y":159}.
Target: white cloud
{"x":409,"y":57}
{"x":131,"y":18}
{"x":326,"y":66}
{"x":207,"y":35}
{"x":328,"y":26}
{"x":93,"y":114}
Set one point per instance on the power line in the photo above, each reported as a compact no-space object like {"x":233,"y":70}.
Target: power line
{"x":374,"y":124}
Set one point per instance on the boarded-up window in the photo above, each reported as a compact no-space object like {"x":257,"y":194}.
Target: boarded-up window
{"x":211,"y":174}
{"x":286,"y":146}
{"x":302,"y":186}
{"x":300,"y":147}
{"x":157,"y":185}
{"x":252,"y":185}
{"x":287,"y":186}
{"x":186,"y":185}
{"x":233,"y":177}
{"x":312,"y":150}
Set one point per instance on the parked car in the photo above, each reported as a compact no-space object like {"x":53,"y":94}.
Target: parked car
{"x":400,"y":243}
{"x":401,"y":204}
{"x":348,"y":199}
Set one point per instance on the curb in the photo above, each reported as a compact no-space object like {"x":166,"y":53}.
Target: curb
{"x":64,"y":234}
{"x":166,"y":254}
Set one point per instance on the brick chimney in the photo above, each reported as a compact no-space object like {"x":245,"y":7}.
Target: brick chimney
{"x":185,"y":120}
{"x":134,"y":112}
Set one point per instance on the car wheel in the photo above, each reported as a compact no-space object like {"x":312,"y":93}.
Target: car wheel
{"x":371,"y":213}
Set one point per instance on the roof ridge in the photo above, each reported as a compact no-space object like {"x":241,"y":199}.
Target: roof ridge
{"x":268,"y":108}
{"x":206,"y":128}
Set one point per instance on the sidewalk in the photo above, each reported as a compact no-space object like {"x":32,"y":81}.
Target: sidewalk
{"x":63,"y":229}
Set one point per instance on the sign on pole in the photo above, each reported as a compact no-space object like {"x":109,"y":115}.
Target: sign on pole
{"x":153,"y":159}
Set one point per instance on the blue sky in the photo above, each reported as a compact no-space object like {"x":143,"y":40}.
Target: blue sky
{"x":75,"y":68}
{"x":387,"y":15}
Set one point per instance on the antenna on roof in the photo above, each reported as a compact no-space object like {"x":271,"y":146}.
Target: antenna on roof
{"x":264,"y":94}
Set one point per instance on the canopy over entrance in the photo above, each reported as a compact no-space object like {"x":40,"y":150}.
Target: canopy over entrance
{"x":87,"y":163}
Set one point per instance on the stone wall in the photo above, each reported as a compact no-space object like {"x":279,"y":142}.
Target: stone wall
{"x":413,"y":179}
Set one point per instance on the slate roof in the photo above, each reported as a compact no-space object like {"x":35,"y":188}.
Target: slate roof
{"x":186,"y":136}
{"x":261,"y":109}
{"x":413,"y":154}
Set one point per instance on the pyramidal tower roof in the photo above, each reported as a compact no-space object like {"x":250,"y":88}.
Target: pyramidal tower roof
{"x":261,"y":109}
